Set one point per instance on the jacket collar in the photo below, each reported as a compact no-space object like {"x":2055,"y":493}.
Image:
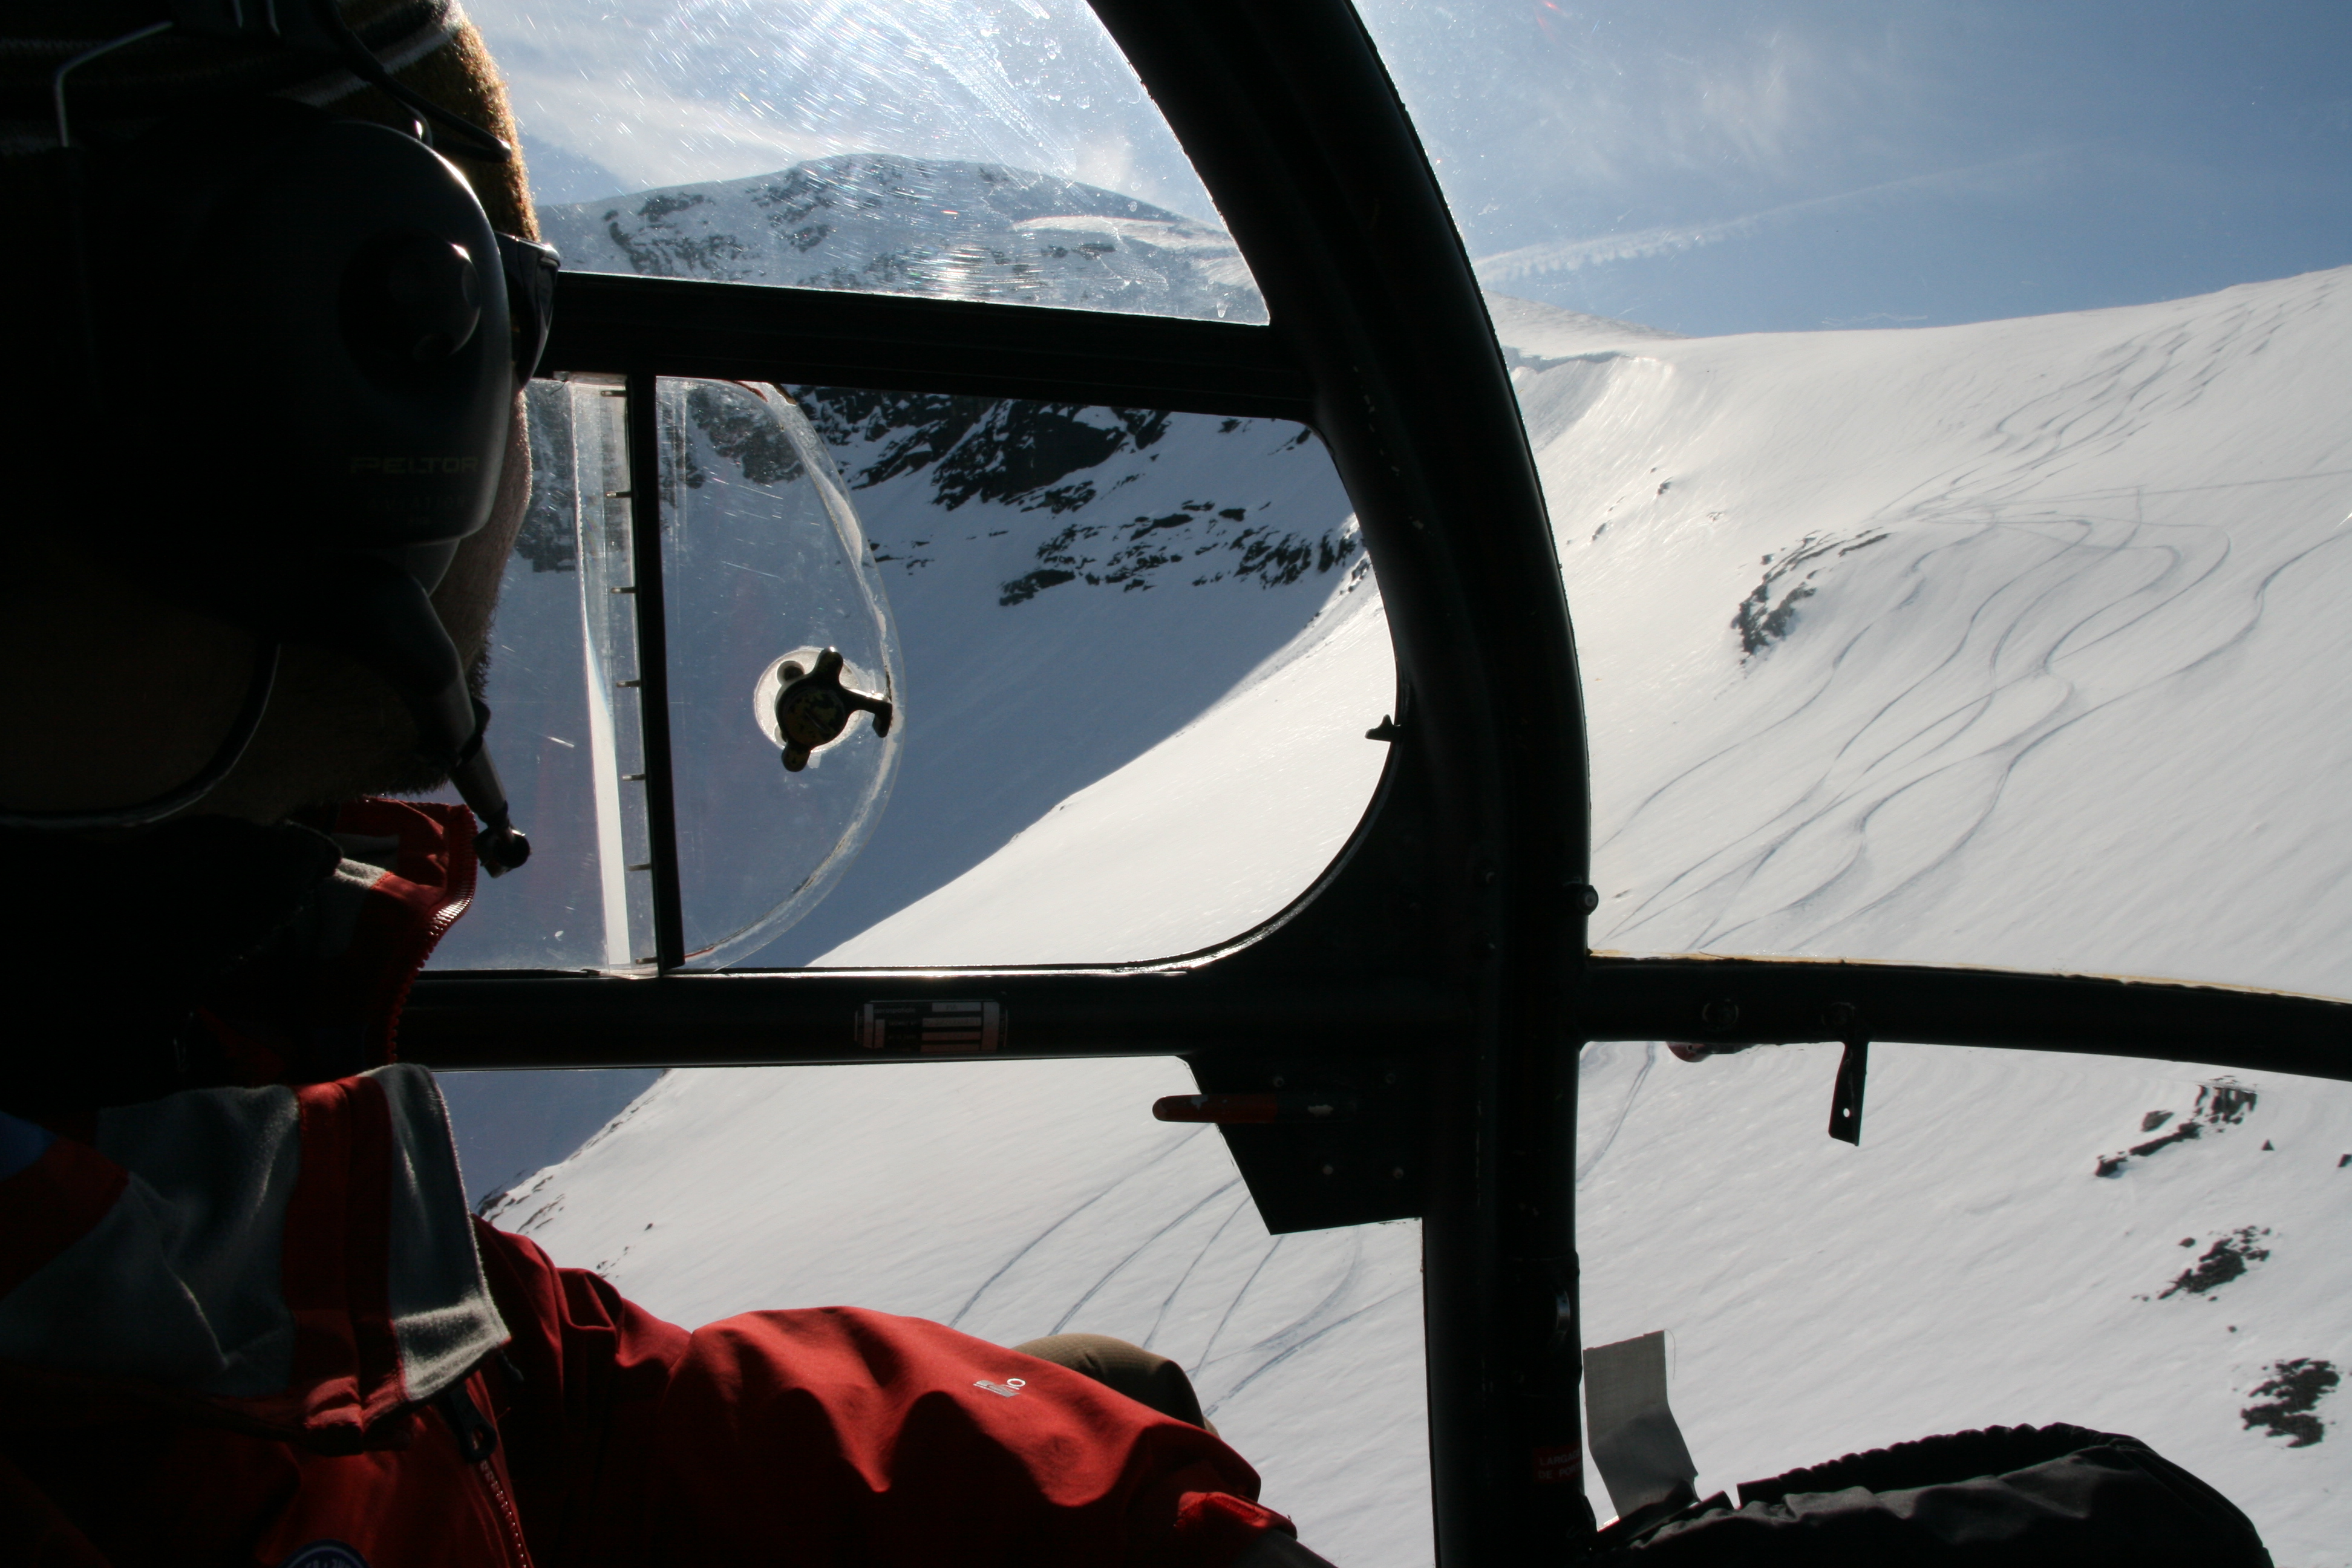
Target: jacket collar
{"x":290,"y":1249}
{"x":212,"y":951}
{"x":321,"y":996}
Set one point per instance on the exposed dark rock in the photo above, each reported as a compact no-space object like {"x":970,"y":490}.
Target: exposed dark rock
{"x":2225,"y":1260}
{"x":1769,"y":614}
{"x":2226,"y":1103}
{"x":2288,"y":1400}
{"x":669,"y":254}
{"x":985,"y":449}
{"x":1018,"y":449}
{"x":2187,"y":1132}
{"x":741,"y":430}
{"x":2218,"y":1105}
{"x":1023,"y":589}
{"x":1064,"y":497}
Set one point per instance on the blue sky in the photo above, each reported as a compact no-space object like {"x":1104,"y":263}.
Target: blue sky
{"x":1727,"y":166}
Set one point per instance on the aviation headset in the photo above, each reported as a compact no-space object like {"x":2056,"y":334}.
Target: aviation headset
{"x":362,"y":332}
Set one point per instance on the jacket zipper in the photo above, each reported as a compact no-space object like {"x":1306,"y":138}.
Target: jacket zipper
{"x":506,"y":1510}
{"x":477,"y":1441}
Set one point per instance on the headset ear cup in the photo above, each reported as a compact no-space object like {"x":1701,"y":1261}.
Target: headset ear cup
{"x":332,"y":299}
{"x":341,"y":293}
{"x":411,"y":301}
{"x":291,"y":369}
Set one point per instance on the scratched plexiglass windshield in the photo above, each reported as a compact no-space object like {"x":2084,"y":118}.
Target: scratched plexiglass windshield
{"x":994,"y":150}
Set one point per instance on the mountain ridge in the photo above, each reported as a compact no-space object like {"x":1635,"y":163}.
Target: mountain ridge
{"x":884,"y":223}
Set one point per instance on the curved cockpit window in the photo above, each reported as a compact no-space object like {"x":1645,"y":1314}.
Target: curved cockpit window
{"x":999,"y":151}
{"x":1129,"y":657}
{"x":1938,"y":412}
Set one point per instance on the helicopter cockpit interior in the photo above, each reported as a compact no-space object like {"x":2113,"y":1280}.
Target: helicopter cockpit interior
{"x":1494,"y":717}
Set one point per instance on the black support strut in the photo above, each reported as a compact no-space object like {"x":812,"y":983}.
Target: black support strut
{"x":653,"y":665}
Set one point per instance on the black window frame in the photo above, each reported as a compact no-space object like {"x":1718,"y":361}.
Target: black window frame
{"x":1439,"y":971}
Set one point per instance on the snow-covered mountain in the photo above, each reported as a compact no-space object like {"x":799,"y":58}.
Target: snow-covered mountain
{"x":2016,"y":643}
{"x":881,"y":224}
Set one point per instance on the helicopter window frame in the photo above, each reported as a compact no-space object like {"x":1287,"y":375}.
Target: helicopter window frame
{"x":1479,"y":823}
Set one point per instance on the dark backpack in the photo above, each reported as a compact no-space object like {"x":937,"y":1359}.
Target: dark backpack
{"x":2017,"y":1497}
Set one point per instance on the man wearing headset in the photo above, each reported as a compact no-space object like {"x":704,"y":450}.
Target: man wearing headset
{"x":244,"y":1314}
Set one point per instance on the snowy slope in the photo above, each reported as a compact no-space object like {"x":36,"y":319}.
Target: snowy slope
{"x":1205,"y":835}
{"x":2013,"y":643}
{"x":1073,"y":586}
{"x":2038,"y":658}
{"x":1966,"y":1266}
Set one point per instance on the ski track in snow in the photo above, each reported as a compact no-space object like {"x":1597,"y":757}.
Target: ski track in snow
{"x":1042,"y":1237}
{"x":1218,"y":1376}
{"x":2080,"y":705}
{"x":1923,"y":733}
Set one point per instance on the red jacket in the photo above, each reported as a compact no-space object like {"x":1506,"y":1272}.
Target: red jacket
{"x":256,"y":1326}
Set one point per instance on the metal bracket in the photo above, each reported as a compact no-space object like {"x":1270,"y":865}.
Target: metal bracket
{"x":1322,"y":1140}
{"x":1845,"y":1099}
